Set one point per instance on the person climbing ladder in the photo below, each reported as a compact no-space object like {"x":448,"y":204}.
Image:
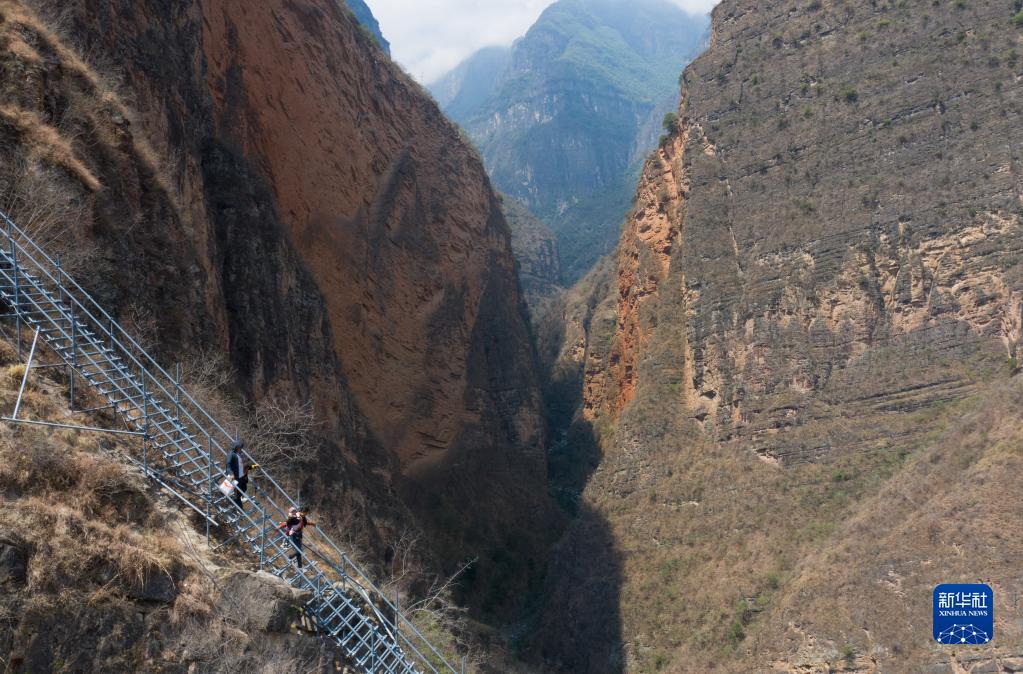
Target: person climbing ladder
{"x":238,"y":472}
{"x":293,"y":527}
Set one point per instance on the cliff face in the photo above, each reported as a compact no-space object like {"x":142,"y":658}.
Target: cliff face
{"x":569,"y":114}
{"x":308,"y":210}
{"x":536,"y":252}
{"x":401,"y":263}
{"x":841,"y":231}
{"x":817,"y":305}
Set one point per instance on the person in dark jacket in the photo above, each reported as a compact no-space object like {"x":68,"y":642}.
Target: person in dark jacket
{"x":238,"y":471}
{"x":293,"y":527}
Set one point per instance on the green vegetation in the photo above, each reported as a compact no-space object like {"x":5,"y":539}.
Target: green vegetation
{"x":627,"y":57}
{"x":736,"y":633}
{"x":850,"y":95}
{"x":670,"y":122}
{"x":1017,"y":20}
{"x":806,"y":206}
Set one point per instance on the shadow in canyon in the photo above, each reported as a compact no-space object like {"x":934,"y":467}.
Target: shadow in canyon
{"x":580,"y":629}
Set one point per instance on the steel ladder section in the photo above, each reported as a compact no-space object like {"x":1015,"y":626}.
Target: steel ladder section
{"x":342,"y":609}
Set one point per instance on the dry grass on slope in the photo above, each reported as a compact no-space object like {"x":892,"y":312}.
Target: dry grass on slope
{"x":44,"y":140}
{"x":87,"y":121}
{"x":102,"y":550}
{"x":729,"y":563}
{"x":952,"y":514}
{"x":75,"y":506}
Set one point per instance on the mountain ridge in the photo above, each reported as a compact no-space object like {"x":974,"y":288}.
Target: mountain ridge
{"x":813,"y":313}
{"x":364,"y":15}
{"x":563,"y":127}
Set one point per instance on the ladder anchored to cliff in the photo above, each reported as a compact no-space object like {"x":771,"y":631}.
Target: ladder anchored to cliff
{"x":183,"y":448}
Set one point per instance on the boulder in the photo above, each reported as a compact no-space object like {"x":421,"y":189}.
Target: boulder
{"x":13,"y":563}
{"x":261,"y":601}
{"x":989,"y":667}
{"x":940,"y":668}
{"x":156,"y":586}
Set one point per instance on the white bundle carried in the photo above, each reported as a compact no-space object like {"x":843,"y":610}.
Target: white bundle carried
{"x":228,"y":486}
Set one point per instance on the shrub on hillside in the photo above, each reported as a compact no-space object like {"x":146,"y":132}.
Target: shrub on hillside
{"x":670,"y":122}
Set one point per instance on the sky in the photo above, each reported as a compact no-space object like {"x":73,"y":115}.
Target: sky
{"x":430,"y":37}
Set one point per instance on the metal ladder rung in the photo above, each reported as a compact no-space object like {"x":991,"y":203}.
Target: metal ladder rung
{"x":31,"y":291}
{"x":183,"y":458}
{"x":182,"y":445}
{"x":187,"y":474}
{"x":103,"y":365}
{"x":282,"y":553}
{"x":101,"y":384}
{"x":106,"y":357}
{"x":394,"y":659}
{"x":353,"y":633}
{"x":165,"y":425}
{"x":124,"y":376}
{"x":159,"y":411}
{"x":120,"y":401}
{"x":346,"y":607}
{"x":363,"y":641}
{"x":55,"y":330}
{"x":337,"y":613}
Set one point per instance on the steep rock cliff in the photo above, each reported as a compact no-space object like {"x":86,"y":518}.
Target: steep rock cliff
{"x":536,"y":252}
{"x":816,"y":312}
{"x":304,"y":207}
{"x":844,"y":226}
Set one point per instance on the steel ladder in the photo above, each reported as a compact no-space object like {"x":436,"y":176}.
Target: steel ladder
{"x":183,"y":447}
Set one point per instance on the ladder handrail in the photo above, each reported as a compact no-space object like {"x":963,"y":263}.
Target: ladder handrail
{"x":128,"y":348}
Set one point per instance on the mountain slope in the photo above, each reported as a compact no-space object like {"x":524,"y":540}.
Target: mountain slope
{"x":465,"y":90}
{"x":376,"y":283}
{"x":559,"y":129}
{"x":102,"y":572}
{"x":365,"y":17}
{"x":536,"y":252}
{"x":816,"y":313}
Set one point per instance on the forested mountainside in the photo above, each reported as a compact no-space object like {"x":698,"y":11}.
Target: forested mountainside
{"x":564,"y":120}
{"x":258,"y":185}
{"x":804,"y":373}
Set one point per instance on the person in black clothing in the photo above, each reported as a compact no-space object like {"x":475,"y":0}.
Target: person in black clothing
{"x":238,"y":471}
{"x":293,"y":527}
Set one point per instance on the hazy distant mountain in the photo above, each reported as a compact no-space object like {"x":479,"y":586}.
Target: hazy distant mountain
{"x":465,"y":90}
{"x":563,"y":119}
